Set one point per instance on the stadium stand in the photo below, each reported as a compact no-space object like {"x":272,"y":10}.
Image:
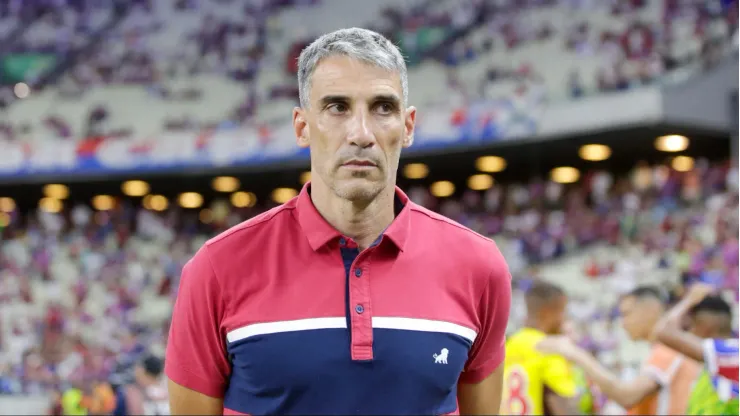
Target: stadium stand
{"x":85,"y":290}
{"x":166,"y":59}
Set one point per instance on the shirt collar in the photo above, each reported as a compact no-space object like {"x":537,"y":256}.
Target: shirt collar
{"x":319,"y":232}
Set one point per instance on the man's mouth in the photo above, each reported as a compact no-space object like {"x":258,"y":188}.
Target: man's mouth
{"x":359,"y":163}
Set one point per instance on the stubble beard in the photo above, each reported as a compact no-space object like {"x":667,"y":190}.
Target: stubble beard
{"x":359,"y":188}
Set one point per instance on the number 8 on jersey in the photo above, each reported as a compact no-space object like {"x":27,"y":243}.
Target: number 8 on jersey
{"x":516,"y":399}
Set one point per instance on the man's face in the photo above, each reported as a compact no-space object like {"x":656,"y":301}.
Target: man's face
{"x":553,"y":314}
{"x":356,"y":126}
{"x":639,"y":316}
{"x":558,"y":315}
{"x":706,"y":324}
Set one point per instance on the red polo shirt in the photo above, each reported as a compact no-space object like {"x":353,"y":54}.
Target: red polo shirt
{"x":283,"y":314}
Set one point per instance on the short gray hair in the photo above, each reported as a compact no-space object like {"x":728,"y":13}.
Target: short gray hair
{"x":356,"y":43}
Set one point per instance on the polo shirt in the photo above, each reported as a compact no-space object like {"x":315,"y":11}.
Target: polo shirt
{"x":282,"y":314}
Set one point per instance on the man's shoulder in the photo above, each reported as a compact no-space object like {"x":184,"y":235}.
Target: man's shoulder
{"x":525,"y":340}
{"x":520,"y":340}
{"x":660,"y":360}
{"x":238,"y":245}
{"x":439,"y":224}
{"x":456,"y":238}
{"x":242,"y":233}
{"x":243,"y":238}
{"x":722,"y":346}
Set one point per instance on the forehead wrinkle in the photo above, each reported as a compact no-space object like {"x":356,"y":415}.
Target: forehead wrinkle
{"x":336,"y":79}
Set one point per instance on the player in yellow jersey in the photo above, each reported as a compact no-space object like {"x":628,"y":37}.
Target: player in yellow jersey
{"x":536,"y":383}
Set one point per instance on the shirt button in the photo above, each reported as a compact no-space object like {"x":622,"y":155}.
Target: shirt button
{"x":358,"y":272}
{"x":342,"y":241}
{"x":359,"y":309}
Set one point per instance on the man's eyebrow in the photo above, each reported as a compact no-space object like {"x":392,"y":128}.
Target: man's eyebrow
{"x":392,"y":98}
{"x":328,"y":99}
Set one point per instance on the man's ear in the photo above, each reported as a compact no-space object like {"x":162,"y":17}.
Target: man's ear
{"x":300,"y":127}
{"x":409,"y":124}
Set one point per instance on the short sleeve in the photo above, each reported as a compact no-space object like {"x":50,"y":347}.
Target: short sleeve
{"x":721,"y":358}
{"x":558,"y":376}
{"x":662,"y":364}
{"x":488,"y":349}
{"x":196,"y":349}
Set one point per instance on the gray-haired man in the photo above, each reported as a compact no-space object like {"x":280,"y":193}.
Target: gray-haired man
{"x":348,"y":299}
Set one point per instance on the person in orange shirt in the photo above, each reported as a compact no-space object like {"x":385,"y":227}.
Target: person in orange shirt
{"x":663,"y":384}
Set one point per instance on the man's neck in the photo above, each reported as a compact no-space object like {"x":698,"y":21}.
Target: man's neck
{"x":532,"y":324}
{"x":363,"y":222}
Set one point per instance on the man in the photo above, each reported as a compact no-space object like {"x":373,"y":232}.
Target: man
{"x":662,"y":386}
{"x":535,"y":383}
{"x":147,"y":394}
{"x":711,"y":341}
{"x":349,"y":298}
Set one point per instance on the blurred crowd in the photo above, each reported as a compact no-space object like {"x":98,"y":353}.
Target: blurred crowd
{"x":145,"y":44}
{"x":83,"y":294}
{"x":57,"y":27}
{"x":636,"y":48}
{"x":637,"y":51}
{"x":621,"y":44}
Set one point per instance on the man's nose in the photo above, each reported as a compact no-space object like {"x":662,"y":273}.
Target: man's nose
{"x":360,"y":130}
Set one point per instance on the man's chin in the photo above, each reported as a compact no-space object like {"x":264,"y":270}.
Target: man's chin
{"x":358,"y":189}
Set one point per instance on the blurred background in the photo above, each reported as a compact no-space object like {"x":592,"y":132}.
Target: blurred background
{"x":594,"y":140}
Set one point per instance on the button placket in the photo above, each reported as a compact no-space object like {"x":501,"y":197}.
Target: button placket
{"x":361,"y":319}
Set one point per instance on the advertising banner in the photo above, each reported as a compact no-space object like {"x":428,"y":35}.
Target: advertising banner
{"x":24,"y":67}
{"x":437,"y":128}
{"x":414,"y":43}
{"x":24,"y":405}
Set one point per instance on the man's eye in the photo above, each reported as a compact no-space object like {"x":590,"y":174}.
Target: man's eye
{"x":385,"y":108}
{"x":337,"y":108}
